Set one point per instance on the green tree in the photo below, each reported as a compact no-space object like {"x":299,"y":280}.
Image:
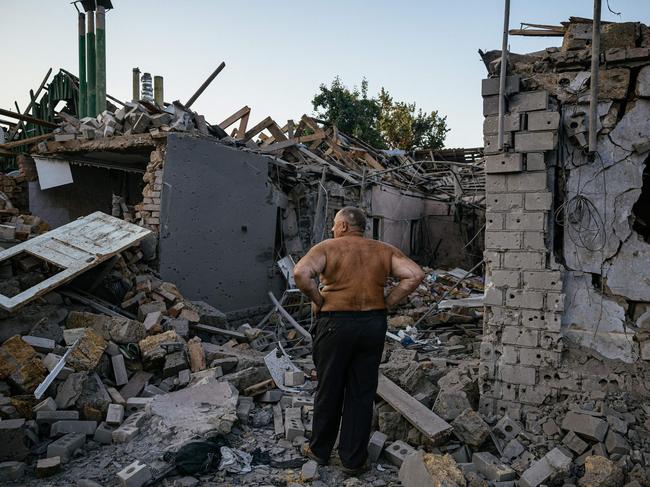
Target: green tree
{"x":380,"y":122}
{"x":350,"y":110}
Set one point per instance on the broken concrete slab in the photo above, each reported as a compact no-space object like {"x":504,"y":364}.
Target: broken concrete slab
{"x":588,"y":426}
{"x":199,"y":409}
{"x":470,"y":428}
{"x":20,"y":365}
{"x":421,"y":469}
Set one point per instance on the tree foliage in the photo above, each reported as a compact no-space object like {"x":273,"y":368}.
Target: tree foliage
{"x":381,"y":121}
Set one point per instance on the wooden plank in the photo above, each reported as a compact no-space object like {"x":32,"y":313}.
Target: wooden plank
{"x":234,"y":117}
{"x":15,"y":129}
{"x":427,"y":422}
{"x":30,"y":140}
{"x":27,"y":118}
{"x":291,"y":142}
{"x":243,"y":123}
{"x":257,"y":128}
{"x":75,"y":247}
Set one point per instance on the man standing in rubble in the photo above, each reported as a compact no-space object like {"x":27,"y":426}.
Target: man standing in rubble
{"x":350,"y":331}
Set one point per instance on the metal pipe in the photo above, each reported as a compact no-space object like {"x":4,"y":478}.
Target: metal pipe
{"x":136,"y":84}
{"x":503,"y":74}
{"x":158,"y":91}
{"x":595,"y":65}
{"x":81,"y":106}
{"x":100,"y":66}
{"x":91,"y":95}
{"x":205,"y":84}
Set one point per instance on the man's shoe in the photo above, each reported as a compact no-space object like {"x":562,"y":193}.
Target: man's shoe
{"x":306,"y":451}
{"x":355,"y":472}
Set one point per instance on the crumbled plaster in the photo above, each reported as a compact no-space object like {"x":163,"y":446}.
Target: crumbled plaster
{"x":613,"y":184}
{"x":594,"y":321}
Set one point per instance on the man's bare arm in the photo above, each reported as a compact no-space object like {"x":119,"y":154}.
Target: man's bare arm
{"x":306,"y":271}
{"x":410,"y":275}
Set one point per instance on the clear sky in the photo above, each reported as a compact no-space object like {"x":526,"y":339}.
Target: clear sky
{"x":278,"y":52}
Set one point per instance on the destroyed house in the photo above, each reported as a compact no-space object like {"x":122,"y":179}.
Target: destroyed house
{"x":224,"y":209}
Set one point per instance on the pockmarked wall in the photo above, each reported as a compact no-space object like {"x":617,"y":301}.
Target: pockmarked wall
{"x":568,"y":231}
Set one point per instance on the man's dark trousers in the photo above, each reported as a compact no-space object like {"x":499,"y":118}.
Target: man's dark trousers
{"x":347,"y":352}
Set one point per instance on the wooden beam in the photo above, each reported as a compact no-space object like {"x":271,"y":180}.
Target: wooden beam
{"x":30,"y":140}
{"x":291,"y":142}
{"x":426,"y":421}
{"x":27,"y":118}
{"x":257,"y":129}
{"x":536,"y":33}
{"x":234,"y":117}
{"x":31,"y":103}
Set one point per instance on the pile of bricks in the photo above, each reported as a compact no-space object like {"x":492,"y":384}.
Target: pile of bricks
{"x":148,"y":211}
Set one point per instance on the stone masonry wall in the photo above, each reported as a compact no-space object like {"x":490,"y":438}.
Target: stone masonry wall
{"x":523,"y":296}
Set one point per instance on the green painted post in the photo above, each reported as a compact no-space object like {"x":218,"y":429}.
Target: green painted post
{"x":82,"y":66}
{"x":91,"y":104}
{"x":100,"y":73}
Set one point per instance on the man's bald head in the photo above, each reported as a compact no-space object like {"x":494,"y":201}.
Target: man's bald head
{"x":354,"y":216}
{"x":349,"y":221}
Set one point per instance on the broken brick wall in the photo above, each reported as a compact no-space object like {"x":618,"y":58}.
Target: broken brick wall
{"x":566,"y":236}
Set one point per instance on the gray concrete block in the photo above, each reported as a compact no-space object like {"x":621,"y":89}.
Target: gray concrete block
{"x":491,"y":467}
{"x":376,"y":445}
{"x":527,"y":182}
{"x":516,"y":374}
{"x":119,"y":370}
{"x":491,"y":105}
{"x":134,"y":475}
{"x":293,"y":425}
{"x":535,"y":241}
{"x":543,"y":121}
{"x":587,"y":426}
{"x":535,"y":141}
{"x":397,"y":451}
{"x":616,"y":444}
{"x":502,"y":278}
{"x":520,"y":336}
{"x":495,"y":221}
{"x":504,"y":162}
{"x":535,"y":161}
{"x":511,"y":123}
{"x":495,"y":183}
{"x":528,"y":101}
{"x":134,"y":404}
{"x":501,"y":240}
{"x":44,"y":345}
{"x":65,"y":446}
{"x":491,"y":143}
{"x":115,"y":414}
{"x":546,"y":280}
{"x":526,"y":220}
{"x":65,"y":427}
{"x":575,"y":443}
{"x":504,"y":201}
{"x":49,"y":417}
{"x":490,"y":86}
{"x":538,"y":201}
{"x":524,"y":260}
{"x":525,"y":299}
{"x":104,"y":433}
{"x":124,"y":434}
{"x":493,"y":297}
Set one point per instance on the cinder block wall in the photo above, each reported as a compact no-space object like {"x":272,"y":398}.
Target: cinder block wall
{"x":523,"y":297}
